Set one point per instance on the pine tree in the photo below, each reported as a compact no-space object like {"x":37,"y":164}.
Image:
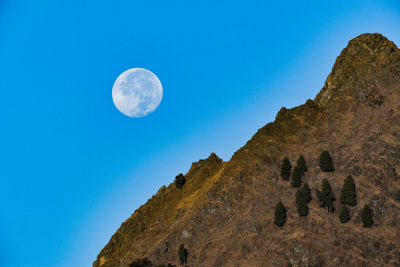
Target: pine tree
{"x":306,"y":191}
{"x":325,"y":162}
{"x":366,"y":216}
{"x":344,"y":215}
{"x":296,"y":176}
{"x":182,"y":253}
{"x":301,"y":203}
{"x":286,"y":169}
{"x":301,"y":162}
{"x":348,"y":195}
{"x":179,"y":181}
{"x":280,"y":214}
{"x":326,"y":196}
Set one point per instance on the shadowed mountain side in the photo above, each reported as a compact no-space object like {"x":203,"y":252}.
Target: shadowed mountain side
{"x":225,"y":211}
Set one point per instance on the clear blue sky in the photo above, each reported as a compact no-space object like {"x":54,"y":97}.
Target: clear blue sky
{"x":73,"y":168}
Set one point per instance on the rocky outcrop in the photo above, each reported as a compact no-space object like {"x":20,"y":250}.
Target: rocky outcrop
{"x":368,"y":54}
{"x":224,"y":214}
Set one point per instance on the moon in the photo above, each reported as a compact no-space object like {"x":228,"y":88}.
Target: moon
{"x":137,"y":92}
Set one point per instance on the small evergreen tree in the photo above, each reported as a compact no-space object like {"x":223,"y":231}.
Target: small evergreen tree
{"x":182,"y":253}
{"x":344,"y":215}
{"x":296,"y":176}
{"x":286,"y":169}
{"x":366,"y":216}
{"x":306,"y":191}
{"x":348,"y":195}
{"x":301,"y":162}
{"x":180,"y":180}
{"x":325,"y":162}
{"x":301,"y":203}
{"x":280,"y":214}
{"x":326,"y":196}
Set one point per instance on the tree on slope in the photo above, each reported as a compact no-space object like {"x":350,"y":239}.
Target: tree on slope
{"x":344,"y":215}
{"x":325,"y":162}
{"x":348,"y":195}
{"x":326,"y":196}
{"x":297,"y":176}
{"x":280,"y":214}
{"x":366,"y":216}
{"x":301,"y":203}
{"x":180,"y":180}
{"x":301,"y":162}
{"x":306,"y":191}
{"x":286,"y":169}
{"x":183,"y":254}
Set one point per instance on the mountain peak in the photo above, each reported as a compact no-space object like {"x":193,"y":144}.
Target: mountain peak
{"x":365,"y":56}
{"x":214,"y":157}
{"x":375,"y":42}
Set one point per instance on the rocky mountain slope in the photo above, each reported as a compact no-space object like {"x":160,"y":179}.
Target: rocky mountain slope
{"x":224,"y":213}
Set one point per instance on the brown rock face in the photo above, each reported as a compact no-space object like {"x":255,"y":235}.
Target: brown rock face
{"x":224,"y":213}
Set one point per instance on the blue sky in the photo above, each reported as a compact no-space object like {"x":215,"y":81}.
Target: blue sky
{"x":73,"y":168}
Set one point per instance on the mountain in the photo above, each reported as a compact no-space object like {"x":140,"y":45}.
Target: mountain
{"x":224,"y":214}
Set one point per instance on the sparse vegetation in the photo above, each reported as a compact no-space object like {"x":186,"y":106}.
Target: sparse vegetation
{"x":348,"y":195}
{"x":326,"y":196}
{"x":286,"y":169}
{"x":325,"y":162}
{"x":344,"y":215}
{"x":366,"y":216}
{"x":297,"y":176}
{"x":183,"y":254}
{"x":280,"y":214}
{"x":180,"y":180}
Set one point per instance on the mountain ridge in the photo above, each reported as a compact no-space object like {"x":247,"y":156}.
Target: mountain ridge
{"x":224,"y":212}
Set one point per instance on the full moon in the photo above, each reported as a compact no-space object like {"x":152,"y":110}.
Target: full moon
{"x":137,"y":92}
